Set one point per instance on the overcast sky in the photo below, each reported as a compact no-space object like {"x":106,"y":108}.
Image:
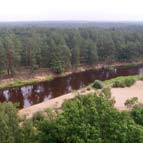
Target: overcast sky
{"x":92,"y":10}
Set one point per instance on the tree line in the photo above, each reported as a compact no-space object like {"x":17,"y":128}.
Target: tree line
{"x":60,"y":49}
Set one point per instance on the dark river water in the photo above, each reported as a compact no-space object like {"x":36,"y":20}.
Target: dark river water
{"x":43,"y":91}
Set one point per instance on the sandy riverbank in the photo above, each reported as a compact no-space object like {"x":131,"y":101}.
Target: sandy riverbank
{"x":120,"y":95}
{"x":53,"y":103}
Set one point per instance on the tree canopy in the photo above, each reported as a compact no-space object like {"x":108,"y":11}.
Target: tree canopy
{"x":64,"y":48}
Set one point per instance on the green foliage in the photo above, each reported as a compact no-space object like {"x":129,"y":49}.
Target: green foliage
{"x":62,"y":48}
{"x":9,"y":128}
{"x":98,"y":84}
{"x":28,"y":132}
{"x":38,"y":116}
{"x":141,"y":78}
{"x":119,"y":84}
{"x":130,"y":103}
{"x":122,"y":78}
{"x":22,"y":83}
{"x":106,"y":93}
{"x":89,"y":119}
{"x":137,"y":114}
{"x":127,"y":82}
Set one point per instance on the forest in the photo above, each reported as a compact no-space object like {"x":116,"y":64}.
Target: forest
{"x":84,"y":119}
{"x":62,"y":48}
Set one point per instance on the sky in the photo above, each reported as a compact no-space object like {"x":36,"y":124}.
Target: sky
{"x":88,"y":10}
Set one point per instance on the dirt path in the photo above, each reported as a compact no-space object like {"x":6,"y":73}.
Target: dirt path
{"x":122,"y":94}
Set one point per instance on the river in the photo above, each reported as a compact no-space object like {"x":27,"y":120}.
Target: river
{"x":39,"y":92}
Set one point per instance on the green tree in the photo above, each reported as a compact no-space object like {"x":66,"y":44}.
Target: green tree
{"x":137,"y":114}
{"x":89,"y":119}
{"x":12,"y":47}
{"x":9,"y":128}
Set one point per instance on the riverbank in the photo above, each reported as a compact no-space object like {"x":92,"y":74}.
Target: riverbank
{"x":122,"y":94}
{"x":119,"y":94}
{"x":24,"y":77}
{"x":55,"y":103}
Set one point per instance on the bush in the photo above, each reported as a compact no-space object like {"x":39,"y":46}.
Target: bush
{"x":38,"y":116}
{"x":118,"y":83}
{"x":141,"y":78}
{"x":137,"y":114}
{"x":9,"y":128}
{"x":106,"y":92}
{"x":98,"y":84}
{"x":130,"y":103}
{"x":127,"y":82}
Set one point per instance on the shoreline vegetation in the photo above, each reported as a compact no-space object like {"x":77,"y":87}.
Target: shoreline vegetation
{"x":56,"y":103}
{"x":18,"y":81}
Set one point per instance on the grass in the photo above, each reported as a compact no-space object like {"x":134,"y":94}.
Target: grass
{"x":50,"y":78}
{"x":22,"y":83}
{"x":18,"y":83}
{"x":133,"y":64}
{"x":122,"y":78}
{"x":129,"y":65}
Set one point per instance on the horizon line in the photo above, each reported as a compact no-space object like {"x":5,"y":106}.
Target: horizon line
{"x":104,"y":21}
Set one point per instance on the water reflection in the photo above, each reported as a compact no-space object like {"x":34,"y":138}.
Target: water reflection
{"x":26,"y":90}
{"x":6,"y":94}
{"x":39,"y":89}
{"x":36,"y":93}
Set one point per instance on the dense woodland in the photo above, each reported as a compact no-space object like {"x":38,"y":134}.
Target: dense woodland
{"x":62,"y":48}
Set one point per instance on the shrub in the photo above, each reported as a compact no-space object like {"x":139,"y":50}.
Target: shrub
{"x":141,"y":78}
{"x":98,"y":84}
{"x":127,"y":82}
{"x":38,"y":116}
{"x":137,"y":114}
{"x":118,"y":83}
{"x":130,"y":103}
{"x":107,"y":92}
